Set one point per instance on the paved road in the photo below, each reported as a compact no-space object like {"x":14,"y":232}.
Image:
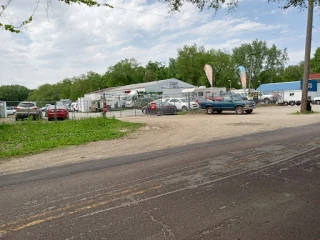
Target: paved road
{"x":261,"y":186}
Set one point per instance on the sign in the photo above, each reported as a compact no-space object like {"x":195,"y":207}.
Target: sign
{"x":312,"y":85}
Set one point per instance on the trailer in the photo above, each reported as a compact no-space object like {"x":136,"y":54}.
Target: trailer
{"x":289,"y":97}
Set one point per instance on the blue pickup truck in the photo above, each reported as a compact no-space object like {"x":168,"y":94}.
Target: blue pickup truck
{"x":229,"y":103}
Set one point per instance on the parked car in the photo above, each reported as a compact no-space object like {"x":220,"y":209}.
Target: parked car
{"x":142,"y":102}
{"x":316,"y":100}
{"x":73,"y":107}
{"x":182,"y":104}
{"x":10,"y":111}
{"x":45,"y":108}
{"x":60,"y":111}
{"x":28,"y":109}
{"x":162,"y":108}
{"x":229,"y":103}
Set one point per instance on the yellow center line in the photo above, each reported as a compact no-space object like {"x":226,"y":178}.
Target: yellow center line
{"x":77,"y":210}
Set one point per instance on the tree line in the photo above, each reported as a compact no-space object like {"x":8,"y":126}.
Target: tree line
{"x":264,"y":64}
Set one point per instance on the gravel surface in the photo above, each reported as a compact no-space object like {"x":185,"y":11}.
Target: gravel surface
{"x":162,"y":132}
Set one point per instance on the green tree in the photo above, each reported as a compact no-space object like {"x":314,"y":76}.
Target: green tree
{"x":315,"y":62}
{"x":123,"y":73}
{"x":14,"y":93}
{"x":262,"y":63}
{"x":293,"y":72}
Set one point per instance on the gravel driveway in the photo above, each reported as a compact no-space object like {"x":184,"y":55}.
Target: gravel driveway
{"x":161,"y":132}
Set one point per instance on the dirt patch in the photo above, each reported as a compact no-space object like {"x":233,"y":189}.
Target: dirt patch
{"x":161,"y":132}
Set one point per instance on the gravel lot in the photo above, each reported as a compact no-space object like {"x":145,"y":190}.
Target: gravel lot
{"x":161,"y":132}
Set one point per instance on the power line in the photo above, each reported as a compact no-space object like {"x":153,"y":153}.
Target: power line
{"x":187,"y":20}
{"x":316,"y":28}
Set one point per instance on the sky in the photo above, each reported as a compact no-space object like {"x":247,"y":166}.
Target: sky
{"x":64,"y":41}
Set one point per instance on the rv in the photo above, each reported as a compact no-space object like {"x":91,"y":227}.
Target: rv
{"x":203,"y":92}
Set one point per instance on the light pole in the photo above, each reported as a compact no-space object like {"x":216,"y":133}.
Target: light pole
{"x":260,"y":92}
{"x":230,"y":84}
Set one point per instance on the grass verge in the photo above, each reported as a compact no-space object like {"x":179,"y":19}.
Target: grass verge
{"x":307,"y":112}
{"x":29,"y":137}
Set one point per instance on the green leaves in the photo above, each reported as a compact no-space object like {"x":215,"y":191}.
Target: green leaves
{"x":176,"y":5}
{"x":315,"y":62}
{"x":16,"y":29}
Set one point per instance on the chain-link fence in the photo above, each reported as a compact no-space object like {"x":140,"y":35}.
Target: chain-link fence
{"x":118,"y":108}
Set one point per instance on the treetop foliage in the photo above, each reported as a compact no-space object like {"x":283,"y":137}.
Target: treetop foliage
{"x":176,"y":5}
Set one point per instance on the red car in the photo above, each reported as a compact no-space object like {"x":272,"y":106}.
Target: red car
{"x":60,"y":111}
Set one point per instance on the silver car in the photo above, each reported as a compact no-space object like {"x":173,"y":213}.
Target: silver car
{"x":28,"y":109}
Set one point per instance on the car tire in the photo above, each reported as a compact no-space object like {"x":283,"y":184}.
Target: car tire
{"x":292,"y":103}
{"x":239,"y":110}
{"x":267,"y":101}
{"x":210,"y":110}
{"x":144,"y":111}
{"x":248,"y":111}
{"x":317,"y":102}
{"x":184,"y":109}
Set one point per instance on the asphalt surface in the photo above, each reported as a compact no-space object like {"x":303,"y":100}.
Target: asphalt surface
{"x":260,"y":186}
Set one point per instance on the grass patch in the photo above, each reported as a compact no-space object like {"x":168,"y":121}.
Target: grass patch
{"x":307,"y":112}
{"x":29,"y":137}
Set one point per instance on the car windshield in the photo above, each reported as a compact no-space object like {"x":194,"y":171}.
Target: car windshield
{"x":26,"y":105}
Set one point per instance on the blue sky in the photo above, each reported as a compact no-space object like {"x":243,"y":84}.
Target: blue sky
{"x":65,"y":41}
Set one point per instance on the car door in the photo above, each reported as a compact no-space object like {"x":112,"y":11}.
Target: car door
{"x":175,"y":102}
{"x":227,"y":103}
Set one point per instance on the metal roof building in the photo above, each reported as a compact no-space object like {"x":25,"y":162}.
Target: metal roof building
{"x":167,"y":86}
{"x":282,"y":86}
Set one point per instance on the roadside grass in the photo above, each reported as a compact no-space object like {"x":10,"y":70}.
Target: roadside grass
{"x":307,"y":112}
{"x":29,"y":137}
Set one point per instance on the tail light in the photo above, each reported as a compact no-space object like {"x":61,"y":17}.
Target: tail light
{"x":35,"y":108}
{"x":17,"y":108}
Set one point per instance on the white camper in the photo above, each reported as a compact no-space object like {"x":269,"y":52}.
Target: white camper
{"x":203,"y":91}
{"x":290,"y":97}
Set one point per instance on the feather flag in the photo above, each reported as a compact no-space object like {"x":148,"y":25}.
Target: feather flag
{"x":209,"y":73}
{"x":243,"y":76}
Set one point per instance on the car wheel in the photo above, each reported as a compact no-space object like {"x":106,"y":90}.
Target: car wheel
{"x":292,"y":103}
{"x":184,"y":109}
{"x":248,"y":111}
{"x":159,"y":112}
{"x":210,"y":110}
{"x":318,"y":102}
{"x":144,"y":111}
{"x":285,"y":103}
{"x":239,"y":110}
{"x":267,"y":101}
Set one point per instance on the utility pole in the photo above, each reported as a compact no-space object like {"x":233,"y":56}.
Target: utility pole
{"x":250,"y":76}
{"x":304,"y":98}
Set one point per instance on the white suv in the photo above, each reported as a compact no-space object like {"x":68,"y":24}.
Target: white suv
{"x":182,"y":104}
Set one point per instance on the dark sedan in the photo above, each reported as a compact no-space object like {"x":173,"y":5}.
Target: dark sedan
{"x":161,"y":108}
